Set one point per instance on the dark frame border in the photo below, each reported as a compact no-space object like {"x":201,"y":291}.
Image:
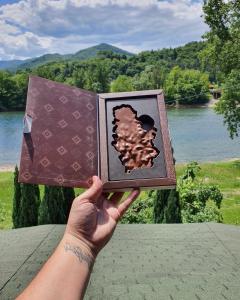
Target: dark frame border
{"x":167,"y":182}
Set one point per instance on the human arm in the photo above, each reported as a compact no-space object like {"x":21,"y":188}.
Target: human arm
{"x":92,"y":220}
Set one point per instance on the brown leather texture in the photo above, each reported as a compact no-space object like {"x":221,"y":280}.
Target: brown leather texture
{"x":62,"y":147}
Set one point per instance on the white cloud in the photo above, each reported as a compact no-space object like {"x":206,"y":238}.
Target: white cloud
{"x":32,"y":27}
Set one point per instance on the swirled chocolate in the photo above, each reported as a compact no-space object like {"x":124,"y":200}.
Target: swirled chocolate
{"x":134,"y":144}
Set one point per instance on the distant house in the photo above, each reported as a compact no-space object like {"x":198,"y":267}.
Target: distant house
{"x":215,"y":92}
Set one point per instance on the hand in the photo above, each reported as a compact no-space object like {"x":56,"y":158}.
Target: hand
{"x":92,"y":220}
{"x":93,"y":217}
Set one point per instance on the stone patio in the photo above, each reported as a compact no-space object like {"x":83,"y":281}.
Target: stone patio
{"x":169,"y":262}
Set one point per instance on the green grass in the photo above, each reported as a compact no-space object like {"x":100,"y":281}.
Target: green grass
{"x":6,"y":194}
{"x":224,"y":174}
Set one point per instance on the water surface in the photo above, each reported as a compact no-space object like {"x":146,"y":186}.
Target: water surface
{"x":197,"y":134}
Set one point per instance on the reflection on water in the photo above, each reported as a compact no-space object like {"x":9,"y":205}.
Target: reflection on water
{"x":10,"y":137}
{"x":197,"y":134}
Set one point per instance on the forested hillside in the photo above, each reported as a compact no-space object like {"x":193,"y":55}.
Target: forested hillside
{"x":177,"y":70}
{"x":14,"y":65}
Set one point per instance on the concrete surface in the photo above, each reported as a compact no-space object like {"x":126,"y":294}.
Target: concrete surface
{"x":169,"y":262}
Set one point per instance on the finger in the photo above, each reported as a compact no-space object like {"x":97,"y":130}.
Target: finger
{"x":95,"y":190}
{"x":116,"y":197}
{"x":101,"y":199}
{"x":126,"y":203}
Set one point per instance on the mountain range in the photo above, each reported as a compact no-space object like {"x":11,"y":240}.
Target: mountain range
{"x":13,"y":65}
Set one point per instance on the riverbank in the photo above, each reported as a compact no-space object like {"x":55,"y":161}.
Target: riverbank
{"x":224,"y":174}
{"x":210,"y":104}
{"x":11,"y":167}
{"x":7,"y":168}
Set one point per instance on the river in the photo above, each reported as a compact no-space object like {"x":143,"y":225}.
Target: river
{"x":196,"y":133}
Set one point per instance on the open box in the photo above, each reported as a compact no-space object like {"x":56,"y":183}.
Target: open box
{"x":71,"y":134}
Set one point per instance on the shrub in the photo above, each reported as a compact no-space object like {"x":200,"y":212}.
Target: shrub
{"x":166,"y":206}
{"x":199,"y":202}
{"x":51,"y":210}
{"x":26,"y":201}
{"x":28,"y":211}
{"x":16,"y":199}
{"x":141,"y":211}
{"x":68,"y":195}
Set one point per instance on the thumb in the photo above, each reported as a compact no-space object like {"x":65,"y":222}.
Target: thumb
{"x":94,"y":192}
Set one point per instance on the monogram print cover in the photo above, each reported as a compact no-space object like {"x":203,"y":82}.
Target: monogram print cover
{"x":61,"y":145}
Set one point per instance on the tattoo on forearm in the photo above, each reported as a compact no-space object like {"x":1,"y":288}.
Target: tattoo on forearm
{"x":77,"y":251}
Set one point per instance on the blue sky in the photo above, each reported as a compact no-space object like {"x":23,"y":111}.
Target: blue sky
{"x":30,"y":28}
{"x":3,"y":2}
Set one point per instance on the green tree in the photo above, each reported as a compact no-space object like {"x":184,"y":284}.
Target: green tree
{"x":21,"y":82}
{"x":144,"y":80}
{"x":223,"y":19}
{"x":229,"y":104}
{"x":37,"y":192}
{"x":187,"y":86}
{"x":123,"y":83}
{"x":97,"y":76}
{"x":51,"y":210}
{"x":16,"y":199}
{"x":8,"y":92}
{"x":79,"y":78}
{"x":68,"y":195}
{"x":223,"y":53}
{"x":28,"y":212}
{"x":166,"y":206}
{"x":43,"y":212}
{"x":153,"y":77}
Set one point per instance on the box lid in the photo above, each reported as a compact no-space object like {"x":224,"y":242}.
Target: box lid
{"x":60,"y":140}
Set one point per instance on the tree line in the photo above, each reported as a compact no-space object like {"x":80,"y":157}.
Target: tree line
{"x":192,"y":201}
{"x":176,"y":70}
{"x":30,"y":210}
{"x":183,"y":72}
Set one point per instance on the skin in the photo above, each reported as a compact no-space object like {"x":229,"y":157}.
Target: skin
{"x":92,"y":221}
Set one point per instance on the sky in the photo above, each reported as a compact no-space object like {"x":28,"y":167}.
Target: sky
{"x":30,"y":28}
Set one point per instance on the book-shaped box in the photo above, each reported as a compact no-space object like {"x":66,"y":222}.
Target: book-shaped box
{"x":71,"y":134}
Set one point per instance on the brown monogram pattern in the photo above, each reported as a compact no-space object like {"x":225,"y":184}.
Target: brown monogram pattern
{"x":62,"y":146}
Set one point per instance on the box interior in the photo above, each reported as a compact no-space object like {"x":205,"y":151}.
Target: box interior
{"x":147,"y":112}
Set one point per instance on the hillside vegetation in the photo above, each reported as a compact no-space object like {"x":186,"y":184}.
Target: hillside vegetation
{"x":14,"y":65}
{"x":97,"y":69}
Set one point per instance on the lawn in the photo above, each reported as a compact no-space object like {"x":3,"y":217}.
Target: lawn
{"x":6,"y":194}
{"x":227,"y":176}
{"x":224,"y":174}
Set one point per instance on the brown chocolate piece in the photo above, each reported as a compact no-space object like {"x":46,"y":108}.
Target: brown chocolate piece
{"x":134,"y":144}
